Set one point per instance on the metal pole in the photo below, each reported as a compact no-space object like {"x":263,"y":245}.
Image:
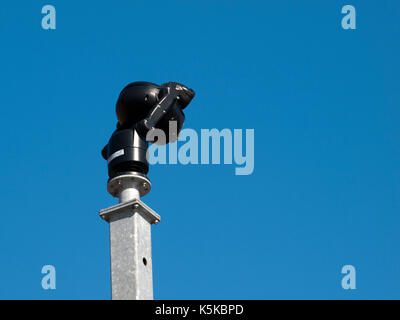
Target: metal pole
{"x":130,"y":238}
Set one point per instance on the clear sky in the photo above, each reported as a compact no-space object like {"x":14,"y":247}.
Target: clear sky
{"x":324,"y":103}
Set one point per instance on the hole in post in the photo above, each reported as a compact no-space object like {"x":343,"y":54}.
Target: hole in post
{"x":145,"y":261}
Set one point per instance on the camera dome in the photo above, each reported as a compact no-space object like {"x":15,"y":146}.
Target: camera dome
{"x":146,"y":106}
{"x":135,"y":101}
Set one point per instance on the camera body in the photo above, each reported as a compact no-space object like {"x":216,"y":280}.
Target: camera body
{"x":142,"y":107}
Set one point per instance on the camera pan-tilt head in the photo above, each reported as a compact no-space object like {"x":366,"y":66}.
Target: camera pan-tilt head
{"x":141,"y":108}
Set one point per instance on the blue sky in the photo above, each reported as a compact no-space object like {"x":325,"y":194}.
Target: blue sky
{"x":324,"y":103}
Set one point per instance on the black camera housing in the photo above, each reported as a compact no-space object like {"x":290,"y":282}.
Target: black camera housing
{"x":142,"y":107}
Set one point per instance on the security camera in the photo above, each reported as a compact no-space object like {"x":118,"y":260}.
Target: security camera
{"x":141,"y":108}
